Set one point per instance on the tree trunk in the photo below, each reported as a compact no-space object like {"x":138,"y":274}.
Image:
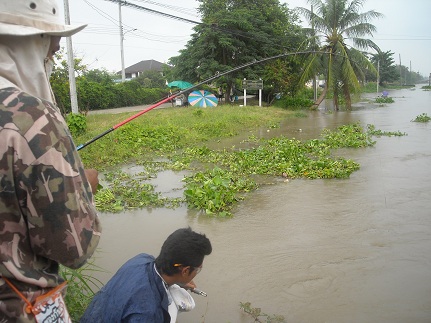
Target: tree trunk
{"x":321,"y":98}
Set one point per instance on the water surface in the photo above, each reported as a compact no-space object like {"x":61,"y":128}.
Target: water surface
{"x":354,"y":250}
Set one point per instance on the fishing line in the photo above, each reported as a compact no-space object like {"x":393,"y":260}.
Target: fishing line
{"x":171,"y":97}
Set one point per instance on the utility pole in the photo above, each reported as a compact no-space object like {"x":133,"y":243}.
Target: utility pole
{"x":378,"y":75}
{"x":123,"y":71}
{"x":410,"y":73}
{"x":70,"y":62}
{"x":315,"y":76}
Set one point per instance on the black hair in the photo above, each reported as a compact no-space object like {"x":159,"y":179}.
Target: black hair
{"x":183,"y":247}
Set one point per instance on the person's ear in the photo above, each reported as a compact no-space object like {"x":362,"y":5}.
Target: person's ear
{"x":186,"y":271}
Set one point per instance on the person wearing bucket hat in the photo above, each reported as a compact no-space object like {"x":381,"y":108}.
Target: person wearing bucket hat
{"x":47,"y":212}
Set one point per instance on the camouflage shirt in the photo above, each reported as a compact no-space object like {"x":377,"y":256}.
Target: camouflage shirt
{"x":47,"y":215}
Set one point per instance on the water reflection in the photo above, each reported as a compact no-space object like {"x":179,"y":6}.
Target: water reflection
{"x":354,"y":250}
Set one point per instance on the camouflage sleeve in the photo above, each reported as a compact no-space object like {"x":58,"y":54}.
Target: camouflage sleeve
{"x":54,"y":196}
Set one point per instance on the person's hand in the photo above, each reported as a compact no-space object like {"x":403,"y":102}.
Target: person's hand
{"x":93,"y":179}
{"x":190,"y":285}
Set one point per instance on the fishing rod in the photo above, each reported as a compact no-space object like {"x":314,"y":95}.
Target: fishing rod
{"x":171,"y":97}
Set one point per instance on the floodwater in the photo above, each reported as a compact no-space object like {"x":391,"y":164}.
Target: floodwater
{"x":353,"y":250}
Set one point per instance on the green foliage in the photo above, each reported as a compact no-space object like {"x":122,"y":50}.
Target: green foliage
{"x":216,"y":190}
{"x":99,"y":76}
{"x":220,"y":178}
{"x":293,"y":103}
{"x":97,"y":90}
{"x":369,"y":87}
{"x":342,"y":65}
{"x":236,"y":33}
{"x":258,"y":316}
{"x":348,"y":136}
{"x":60,"y":79}
{"x":163,"y":131}
{"x":151,"y":79}
{"x":77,"y":123}
{"x":125,"y":191}
{"x":96,"y":96}
{"x":371,"y":129}
{"x":384,"y":62}
{"x":426,"y":87}
{"x":384,"y":100}
{"x":422,"y":118}
{"x":80,"y":289}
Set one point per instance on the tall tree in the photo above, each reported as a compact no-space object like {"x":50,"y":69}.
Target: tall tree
{"x":235,"y":32}
{"x":343,"y":66}
{"x":384,"y":62}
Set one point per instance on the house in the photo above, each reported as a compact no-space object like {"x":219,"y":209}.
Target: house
{"x":143,"y":66}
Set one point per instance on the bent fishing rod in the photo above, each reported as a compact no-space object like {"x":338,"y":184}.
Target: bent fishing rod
{"x":171,"y":97}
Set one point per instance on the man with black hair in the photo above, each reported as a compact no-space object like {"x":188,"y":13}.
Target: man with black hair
{"x":142,"y":289}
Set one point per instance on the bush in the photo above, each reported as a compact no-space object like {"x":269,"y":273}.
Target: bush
{"x":77,"y":123}
{"x":94,"y":95}
{"x":293,"y":103}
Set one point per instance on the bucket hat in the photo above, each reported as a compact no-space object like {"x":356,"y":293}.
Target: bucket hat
{"x":32,"y":17}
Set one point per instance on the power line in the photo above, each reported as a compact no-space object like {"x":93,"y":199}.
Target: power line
{"x":171,"y":7}
{"x":132,"y":5}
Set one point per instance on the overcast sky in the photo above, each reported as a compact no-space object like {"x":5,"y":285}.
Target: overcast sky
{"x":405,"y":30}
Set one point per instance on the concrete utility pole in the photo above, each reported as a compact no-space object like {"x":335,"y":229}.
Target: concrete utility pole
{"x":429,"y":80}
{"x":378,"y":75}
{"x":123,"y":71}
{"x":401,"y":76}
{"x":315,"y":78}
{"x":70,"y":63}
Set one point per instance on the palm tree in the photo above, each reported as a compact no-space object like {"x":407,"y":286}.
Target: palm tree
{"x":343,"y":66}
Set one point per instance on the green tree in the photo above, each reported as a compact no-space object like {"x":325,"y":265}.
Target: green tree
{"x":100,"y":76}
{"x":343,"y":66}
{"x":235,"y":32}
{"x":60,"y":79}
{"x":384,"y":63}
{"x":151,"y":79}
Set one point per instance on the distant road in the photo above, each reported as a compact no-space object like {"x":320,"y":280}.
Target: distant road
{"x":128,"y":109}
{"x":142,"y":107}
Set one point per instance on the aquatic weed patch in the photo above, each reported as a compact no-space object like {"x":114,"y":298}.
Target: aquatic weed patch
{"x":215,"y":191}
{"x":422,"y":118}
{"x":371,"y":129}
{"x":259,"y":316}
{"x":384,"y":100}
{"x":347,"y":136}
{"x":221,"y":178}
{"x":125,"y":191}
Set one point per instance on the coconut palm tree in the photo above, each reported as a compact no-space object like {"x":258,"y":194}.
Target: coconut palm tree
{"x":333,"y":22}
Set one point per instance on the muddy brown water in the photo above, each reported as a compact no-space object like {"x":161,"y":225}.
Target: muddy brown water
{"x":354,"y":250}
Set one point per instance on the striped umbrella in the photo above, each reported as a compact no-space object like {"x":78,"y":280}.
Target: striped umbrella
{"x":202,"y":99}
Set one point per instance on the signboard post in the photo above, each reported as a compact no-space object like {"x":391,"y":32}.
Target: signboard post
{"x":252,"y":85}
{"x":245,"y":91}
{"x":260,"y":93}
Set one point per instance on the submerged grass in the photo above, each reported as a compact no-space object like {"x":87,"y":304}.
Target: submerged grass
{"x":163,"y":131}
